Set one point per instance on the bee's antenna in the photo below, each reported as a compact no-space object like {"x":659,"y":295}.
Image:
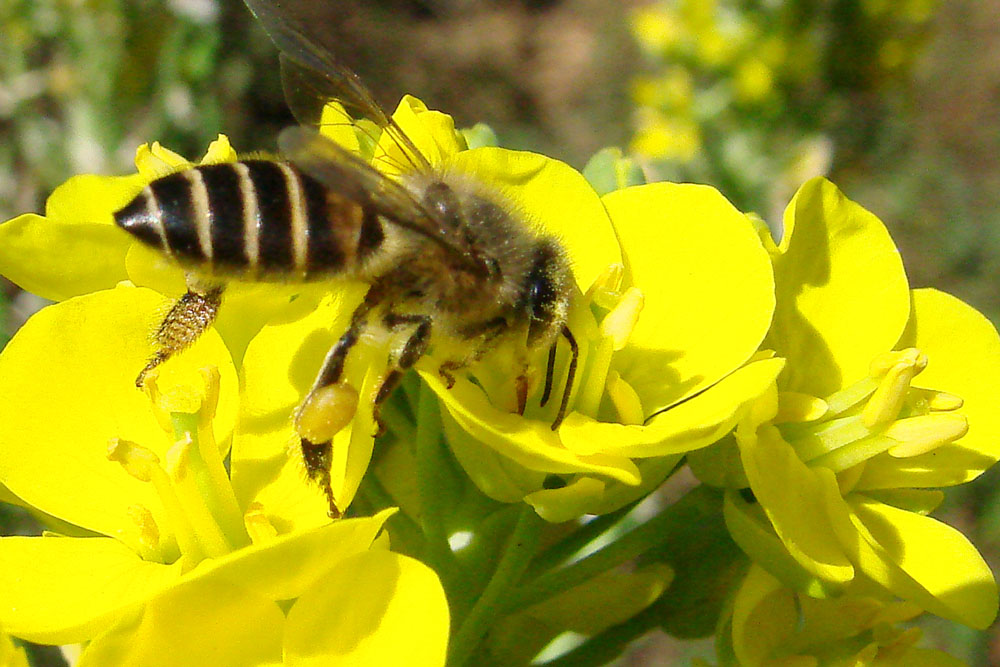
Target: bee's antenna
{"x":574,"y":350}
{"x":549,"y":371}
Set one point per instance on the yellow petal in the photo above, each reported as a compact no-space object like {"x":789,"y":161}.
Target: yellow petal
{"x":842,"y":293}
{"x":764,"y":617}
{"x":219,"y":151}
{"x":67,"y":388}
{"x":212,"y":623}
{"x":264,"y":568}
{"x":496,"y":475}
{"x":432,"y":132}
{"x":963,"y":351}
{"x":567,"y":503}
{"x":793,"y":498}
{"x":707,"y":283}
{"x":92,"y":199}
{"x":527,"y":442}
{"x":57,"y":260}
{"x":62,"y":590}
{"x":691,"y":425}
{"x":376,"y":608}
{"x":927,"y":562}
{"x":553,"y":198}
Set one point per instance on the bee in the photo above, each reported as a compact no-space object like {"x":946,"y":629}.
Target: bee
{"x":443,"y":257}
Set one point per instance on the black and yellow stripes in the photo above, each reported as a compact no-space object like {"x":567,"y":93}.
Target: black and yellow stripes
{"x":256,"y":219}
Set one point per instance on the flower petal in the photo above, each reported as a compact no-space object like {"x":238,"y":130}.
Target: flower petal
{"x":376,"y":608}
{"x":91,"y":199}
{"x":707,"y":285}
{"x":211,"y":623}
{"x":552,"y":197}
{"x":925,"y":561}
{"x":432,"y":132}
{"x":527,"y":442}
{"x":62,"y":590}
{"x":264,"y":568}
{"x":78,"y":360}
{"x":691,"y":425}
{"x":794,"y":500}
{"x":963,"y":349}
{"x":57,"y":260}
{"x":842,"y":293}
{"x":764,"y":617}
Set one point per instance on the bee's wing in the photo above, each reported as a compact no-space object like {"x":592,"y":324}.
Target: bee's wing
{"x":312,"y":77}
{"x":348,"y":175}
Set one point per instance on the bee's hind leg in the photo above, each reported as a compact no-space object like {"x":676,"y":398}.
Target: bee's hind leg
{"x":331,"y":404}
{"x":187,"y":320}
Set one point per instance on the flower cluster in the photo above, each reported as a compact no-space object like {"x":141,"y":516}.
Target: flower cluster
{"x":820,"y":402}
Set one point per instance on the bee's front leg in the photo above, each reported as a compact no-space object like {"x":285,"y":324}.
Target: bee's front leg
{"x":187,"y":320}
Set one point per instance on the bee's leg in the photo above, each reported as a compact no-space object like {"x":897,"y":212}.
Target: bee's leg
{"x":414,"y":348}
{"x":574,"y":351}
{"x":330,"y":404}
{"x":189,"y":318}
{"x":487,"y":332}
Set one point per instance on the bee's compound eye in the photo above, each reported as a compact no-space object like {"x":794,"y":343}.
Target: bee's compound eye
{"x":542,"y":306}
{"x":326,"y":411}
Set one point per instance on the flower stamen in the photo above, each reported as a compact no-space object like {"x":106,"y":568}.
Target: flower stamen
{"x":625,"y":399}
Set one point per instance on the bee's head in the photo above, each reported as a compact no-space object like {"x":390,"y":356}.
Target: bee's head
{"x":546,"y":293}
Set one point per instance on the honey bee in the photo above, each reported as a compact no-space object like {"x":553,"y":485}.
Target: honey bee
{"x":443,"y":257}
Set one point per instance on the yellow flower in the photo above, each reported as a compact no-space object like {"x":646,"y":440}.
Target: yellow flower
{"x":665,"y":332}
{"x":167,"y":564}
{"x":771,"y":626}
{"x":887,"y":394}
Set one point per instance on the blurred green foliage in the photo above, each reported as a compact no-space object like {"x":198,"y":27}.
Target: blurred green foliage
{"x":83,"y":82}
{"x":755,"y":96}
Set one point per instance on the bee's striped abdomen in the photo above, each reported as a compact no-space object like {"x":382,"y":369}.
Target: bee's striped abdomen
{"x":256,"y":219}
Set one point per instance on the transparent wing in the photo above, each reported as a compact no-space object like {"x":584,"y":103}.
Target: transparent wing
{"x":311,"y":76}
{"x":346,"y":174}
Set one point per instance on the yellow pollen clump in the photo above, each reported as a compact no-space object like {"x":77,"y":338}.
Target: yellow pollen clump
{"x":326,"y":411}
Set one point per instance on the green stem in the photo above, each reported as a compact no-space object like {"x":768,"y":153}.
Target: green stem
{"x":560,"y":552}
{"x":605,"y":646}
{"x":433,"y":505}
{"x":517,"y":554}
{"x":661,"y":528}
{"x":404,"y":527}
